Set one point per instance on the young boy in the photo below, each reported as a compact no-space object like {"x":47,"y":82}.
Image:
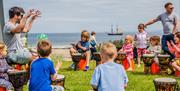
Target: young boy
{"x":83,"y":46}
{"x":109,"y":76}
{"x":42,"y":70}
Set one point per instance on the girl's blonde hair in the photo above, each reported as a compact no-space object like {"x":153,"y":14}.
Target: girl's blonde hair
{"x":129,"y":37}
{"x":85,"y":34}
{"x":156,"y":39}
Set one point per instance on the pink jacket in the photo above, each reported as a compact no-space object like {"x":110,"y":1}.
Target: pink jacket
{"x":128,"y":49}
{"x":175,"y":49}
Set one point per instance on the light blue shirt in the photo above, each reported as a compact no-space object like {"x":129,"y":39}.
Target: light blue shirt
{"x":109,"y":77}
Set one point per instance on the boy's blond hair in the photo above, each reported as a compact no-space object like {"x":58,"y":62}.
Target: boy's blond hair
{"x":129,"y":37}
{"x":85,"y":34}
{"x":109,"y":49}
{"x":2,"y":46}
{"x":44,"y":48}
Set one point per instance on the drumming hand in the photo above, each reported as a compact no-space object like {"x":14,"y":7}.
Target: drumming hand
{"x":168,"y":44}
{"x":172,"y":43}
{"x":58,"y":65}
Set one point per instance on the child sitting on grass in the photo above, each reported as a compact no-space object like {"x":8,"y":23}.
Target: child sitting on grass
{"x":128,"y":49}
{"x":155,"y":47}
{"x":109,"y":76}
{"x":141,"y":42}
{"x":4,"y":68}
{"x":83,"y":46}
{"x":42,"y":70}
{"x":175,"y":49}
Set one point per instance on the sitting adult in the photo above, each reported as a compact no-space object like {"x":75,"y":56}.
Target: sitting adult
{"x":19,"y":22}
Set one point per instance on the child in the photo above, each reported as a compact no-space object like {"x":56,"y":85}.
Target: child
{"x":128,"y":49}
{"x":141,"y":42}
{"x":83,"y":46}
{"x":42,"y":69}
{"x":175,"y":49}
{"x":4,"y":68}
{"x":109,"y":76}
{"x":93,"y":43}
{"x":155,"y":47}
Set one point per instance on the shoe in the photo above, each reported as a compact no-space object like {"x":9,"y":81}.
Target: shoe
{"x":86,"y":68}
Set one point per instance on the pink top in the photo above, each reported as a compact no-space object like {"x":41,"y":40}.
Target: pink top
{"x":175,"y":49}
{"x":128,"y":49}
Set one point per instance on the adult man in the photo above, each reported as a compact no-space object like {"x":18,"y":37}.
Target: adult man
{"x":170,"y":24}
{"x":18,"y":23}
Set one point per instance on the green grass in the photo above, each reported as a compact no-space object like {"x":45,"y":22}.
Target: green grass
{"x":80,"y":80}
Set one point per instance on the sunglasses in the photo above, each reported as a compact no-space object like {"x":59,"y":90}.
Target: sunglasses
{"x":172,"y":8}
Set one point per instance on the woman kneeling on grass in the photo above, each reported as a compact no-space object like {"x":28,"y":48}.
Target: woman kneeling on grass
{"x":83,"y":46}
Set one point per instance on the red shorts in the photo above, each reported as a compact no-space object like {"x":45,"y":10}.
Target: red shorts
{"x":141,"y":51}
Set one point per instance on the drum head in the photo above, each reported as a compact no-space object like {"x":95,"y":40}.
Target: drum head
{"x":165,"y":80}
{"x":163,"y":55}
{"x":148,"y":55}
{"x":121,"y":53}
{"x":17,"y":71}
{"x":60,"y":76}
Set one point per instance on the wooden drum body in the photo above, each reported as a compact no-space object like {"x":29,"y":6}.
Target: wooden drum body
{"x":148,"y":60}
{"x":163,"y":63}
{"x":76,"y":59}
{"x":120,"y":58}
{"x":60,"y":81}
{"x":97,"y":57}
{"x":165,"y":84}
{"x":18,"y":79}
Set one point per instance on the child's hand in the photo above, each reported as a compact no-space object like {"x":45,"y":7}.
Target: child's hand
{"x":168,"y":44}
{"x":125,"y":85}
{"x":172,"y":43}
{"x":58,"y":65}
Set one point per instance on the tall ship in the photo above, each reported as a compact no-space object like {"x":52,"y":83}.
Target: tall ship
{"x":118,"y":31}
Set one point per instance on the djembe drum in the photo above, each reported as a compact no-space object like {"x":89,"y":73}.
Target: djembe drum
{"x":60,"y":81}
{"x":148,"y":60}
{"x":18,"y":79}
{"x":165,"y":84}
{"x":163,"y":63}
{"x":76,"y":59}
{"x":120,"y":58}
{"x":97,"y":57}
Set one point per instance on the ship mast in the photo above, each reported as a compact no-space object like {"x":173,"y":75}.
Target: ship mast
{"x":111,"y":28}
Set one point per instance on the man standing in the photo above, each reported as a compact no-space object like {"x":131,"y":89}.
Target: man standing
{"x":18,"y":23}
{"x":170,"y":22}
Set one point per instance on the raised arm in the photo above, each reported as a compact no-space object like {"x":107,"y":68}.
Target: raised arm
{"x":29,"y":24}
{"x":151,"y":22}
{"x":22,"y":23}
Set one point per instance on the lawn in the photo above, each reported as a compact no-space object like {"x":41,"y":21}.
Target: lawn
{"x":80,"y":80}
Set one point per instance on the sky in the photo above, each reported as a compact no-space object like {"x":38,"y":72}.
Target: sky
{"x":72,"y":16}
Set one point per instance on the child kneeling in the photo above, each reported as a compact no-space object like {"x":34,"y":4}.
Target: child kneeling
{"x":109,"y":76}
{"x":42,"y":70}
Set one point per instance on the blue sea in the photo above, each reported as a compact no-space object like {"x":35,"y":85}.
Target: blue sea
{"x":63,"y":40}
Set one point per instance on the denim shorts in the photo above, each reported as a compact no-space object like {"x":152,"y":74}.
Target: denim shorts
{"x":19,"y":56}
